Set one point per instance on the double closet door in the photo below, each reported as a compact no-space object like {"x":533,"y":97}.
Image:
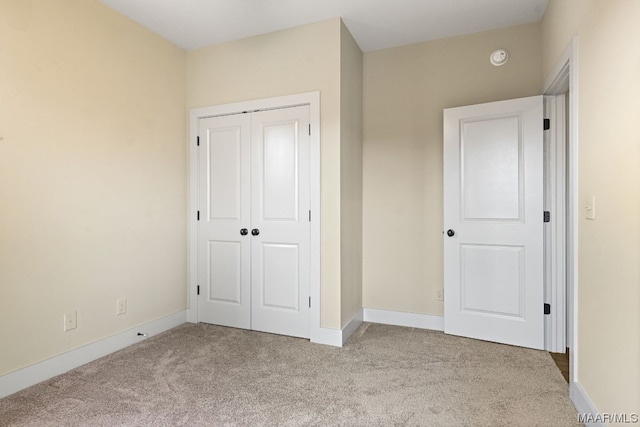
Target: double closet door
{"x":253,"y":228}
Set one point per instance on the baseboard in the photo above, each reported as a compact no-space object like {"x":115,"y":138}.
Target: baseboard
{"x":351,"y":326}
{"x":586,"y":409}
{"x":336,"y":337}
{"x":400,"y":318}
{"x":57,"y":365}
{"x":327,"y":336}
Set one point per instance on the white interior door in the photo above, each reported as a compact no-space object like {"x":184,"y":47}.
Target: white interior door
{"x":280,"y":211}
{"x":493,"y":218}
{"x":254,"y":230}
{"x":224,"y":193}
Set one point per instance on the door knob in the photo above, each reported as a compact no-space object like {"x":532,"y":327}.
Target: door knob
{"x":244,"y":231}
{"x":255,"y":232}
{"x":450,"y":233}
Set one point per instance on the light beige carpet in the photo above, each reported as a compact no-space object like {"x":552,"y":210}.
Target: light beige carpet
{"x":204,"y":375}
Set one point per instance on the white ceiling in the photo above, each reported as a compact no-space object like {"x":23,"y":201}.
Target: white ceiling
{"x":375,"y":24}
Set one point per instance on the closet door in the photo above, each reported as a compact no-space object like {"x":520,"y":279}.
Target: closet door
{"x":280,"y":221}
{"x":254,"y":229}
{"x":224,"y":251}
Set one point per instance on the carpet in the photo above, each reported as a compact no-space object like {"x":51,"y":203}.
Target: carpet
{"x":206,"y":375}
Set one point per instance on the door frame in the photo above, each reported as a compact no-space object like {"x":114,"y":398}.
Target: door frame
{"x":312,"y":99}
{"x":555,"y":245}
{"x":562,"y":79}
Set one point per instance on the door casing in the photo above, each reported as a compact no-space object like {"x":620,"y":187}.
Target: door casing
{"x":312,"y":99}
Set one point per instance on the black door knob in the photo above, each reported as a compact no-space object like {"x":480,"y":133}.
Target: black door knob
{"x":255,"y":232}
{"x":244,"y":231}
{"x":450,"y":233}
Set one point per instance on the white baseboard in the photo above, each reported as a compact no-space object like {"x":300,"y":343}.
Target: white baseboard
{"x":399,"y":318}
{"x":336,"y":337}
{"x":57,"y":365}
{"x":192,"y":316}
{"x":327,"y":336}
{"x":584,"y":406}
{"x":352,"y":325}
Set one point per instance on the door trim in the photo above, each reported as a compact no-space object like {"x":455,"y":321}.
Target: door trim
{"x":312,"y":99}
{"x":563,"y":78}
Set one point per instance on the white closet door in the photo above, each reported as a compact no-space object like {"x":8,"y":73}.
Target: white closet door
{"x":224,"y":207}
{"x":254,"y":230}
{"x":280,"y":214}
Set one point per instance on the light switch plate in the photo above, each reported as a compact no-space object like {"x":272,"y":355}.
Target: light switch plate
{"x":590,"y":208}
{"x":70,"y":320}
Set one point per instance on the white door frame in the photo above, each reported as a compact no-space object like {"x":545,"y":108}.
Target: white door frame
{"x":555,"y":274}
{"x":312,"y":99}
{"x":564,"y":78}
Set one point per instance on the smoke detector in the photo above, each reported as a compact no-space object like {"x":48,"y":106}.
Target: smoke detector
{"x":499,"y":57}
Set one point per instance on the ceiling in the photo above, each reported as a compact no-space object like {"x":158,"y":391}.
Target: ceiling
{"x":375,"y":24}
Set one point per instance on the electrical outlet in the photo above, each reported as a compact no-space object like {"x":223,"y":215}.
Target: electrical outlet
{"x":121,"y":306}
{"x":70,"y":320}
{"x":440,"y":294}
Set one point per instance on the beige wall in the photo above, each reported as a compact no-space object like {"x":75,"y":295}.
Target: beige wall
{"x":92,"y":176}
{"x":405,"y":91}
{"x":350,"y":176}
{"x":302,"y":59}
{"x":609,"y":168}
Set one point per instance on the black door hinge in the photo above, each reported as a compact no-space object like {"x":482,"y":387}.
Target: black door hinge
{"x":547,"y":309}
{"x":198,"y":141}
{"x":309,"y":302}
{"x":309,"y":130}
{"x":546,"y":125}
{"x":309,"y":216}
{"x":547,"y":216}
{"x":198,"y":216}
{"x":198,"y":289}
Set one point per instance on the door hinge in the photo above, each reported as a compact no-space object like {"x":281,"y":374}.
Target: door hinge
{"x":546,"y":125}
{"x":547,"y":309}
{"x":309,"y":216}
{"x":198,"y":289}
{"x":309,"y":129}
{"x":198,"y":141}
{"x":309,"y":302}
{"x":547,"y":216}
{"x":198,"y":216}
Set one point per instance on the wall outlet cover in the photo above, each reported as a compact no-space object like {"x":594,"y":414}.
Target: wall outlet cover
{"x":70,"y":320}
{"x":121,"y":306}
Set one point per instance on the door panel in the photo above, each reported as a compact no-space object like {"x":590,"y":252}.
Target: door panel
{"x":280,"y":171}
{"x":224,"y":197}
{"x":503,"y":267}
{"x":492,"y":169}
{"x":493,"y":193}
{"x":225,"y":272}
{"x":279,"y":209}
{"x":224,"y":152}
{"x":280,"y":281}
